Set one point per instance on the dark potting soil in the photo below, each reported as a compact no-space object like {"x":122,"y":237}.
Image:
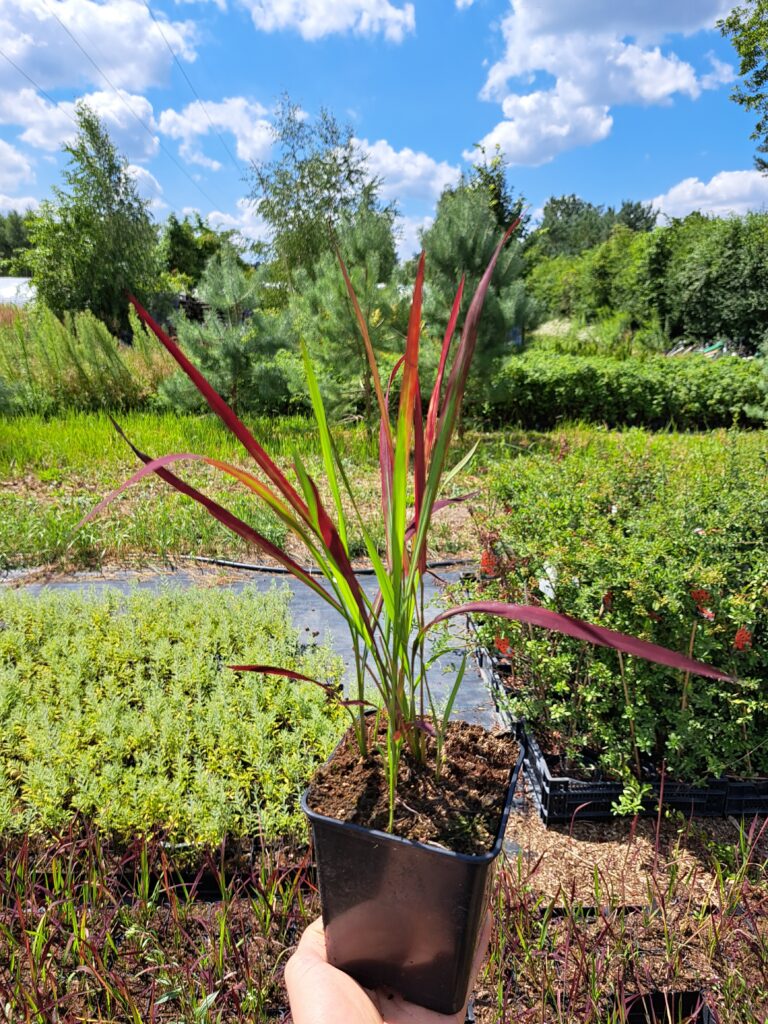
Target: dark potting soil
{"x":459,"y":810}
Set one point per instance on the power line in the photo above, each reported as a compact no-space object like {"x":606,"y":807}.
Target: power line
{"x":37,"y":87}
{"x":182,"y":69}
{"x":54,"y":103}
{"x":130,"y":110}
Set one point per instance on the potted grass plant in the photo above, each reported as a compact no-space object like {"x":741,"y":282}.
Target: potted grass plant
{"x":408,"y":815}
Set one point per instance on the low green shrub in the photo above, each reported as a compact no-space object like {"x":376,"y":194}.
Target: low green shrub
{"x":539,"y":390}
{"x":122,"y":709}
{"x":664,"y":538}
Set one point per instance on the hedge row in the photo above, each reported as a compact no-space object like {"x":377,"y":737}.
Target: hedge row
{"x":540,"y":390}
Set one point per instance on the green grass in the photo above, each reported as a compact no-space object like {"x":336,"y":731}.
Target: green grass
{"x":54,"y":471}
{"x":122,"y":709}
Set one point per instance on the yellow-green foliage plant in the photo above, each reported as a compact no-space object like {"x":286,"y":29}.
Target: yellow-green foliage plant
{"x":121,"y":709}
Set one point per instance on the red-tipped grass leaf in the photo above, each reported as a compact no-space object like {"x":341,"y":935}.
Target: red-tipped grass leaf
{"x":223,"y":411}
{"x":434,"y":401}
{"x":299,"y":677}
{"x":455,"y":391}
{"x":408,"y":392}
{"x":346,"y":580}
{"x":223,"y":515}
{"x":326,"y":444}
{"x":386,"y":463}
{"x":370,"y":354}
{"x":559,"y":623}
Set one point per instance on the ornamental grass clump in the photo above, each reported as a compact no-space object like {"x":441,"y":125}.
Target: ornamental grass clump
{"x":388,"y":631}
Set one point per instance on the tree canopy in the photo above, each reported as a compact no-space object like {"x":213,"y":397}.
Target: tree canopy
{"x":570,"y":225}
{"x":14,"y":240}
{"x":319,"y":176}
{"x":747,"y":28}
{"x":94,"y":240}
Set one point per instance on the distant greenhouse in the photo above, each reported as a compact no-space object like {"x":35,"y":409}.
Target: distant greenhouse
{"x":16,"y":291}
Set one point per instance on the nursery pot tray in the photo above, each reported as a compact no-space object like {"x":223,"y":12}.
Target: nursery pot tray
{"x":401,"y":914}
{"x":559,"y":798}
{"x":747,"y":797}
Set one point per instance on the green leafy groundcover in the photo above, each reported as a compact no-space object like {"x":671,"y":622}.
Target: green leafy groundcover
{"x":664,"y":537}
{"x":122,"y":708}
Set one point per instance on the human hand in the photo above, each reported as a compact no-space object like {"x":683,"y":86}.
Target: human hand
{"x":322,"y":994}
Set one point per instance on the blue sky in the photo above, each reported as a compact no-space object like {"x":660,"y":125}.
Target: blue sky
{"x":609,"y":99}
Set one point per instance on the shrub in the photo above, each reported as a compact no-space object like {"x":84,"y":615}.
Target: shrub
{"x":123,"y":709}
{"x":665,"y":538}
{"x":539,"y":390}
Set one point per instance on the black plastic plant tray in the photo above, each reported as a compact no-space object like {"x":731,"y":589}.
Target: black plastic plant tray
{"x":560,"y":798}
{"x":747,"y":798}
{"x":665,"y":1008}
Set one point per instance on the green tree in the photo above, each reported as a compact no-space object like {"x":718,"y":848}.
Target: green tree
{"x":747,"y":28}
{"x":321,"y":312}
{"x":571,"y":225}
{"x":636,"y":216}
{"x":319,"y":176}
{"x":488,"y":176}
{"x":95,"y":239}
{"x":14,"y":240}
{"x":460,"y":241}
{"x":238,"y":347}
{"x":187,"y":245}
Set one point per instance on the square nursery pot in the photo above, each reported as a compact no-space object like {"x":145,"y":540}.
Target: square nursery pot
{"x":666,"y":1008}
{"x":401,"y":914}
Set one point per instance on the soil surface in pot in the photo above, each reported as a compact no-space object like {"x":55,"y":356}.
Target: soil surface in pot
{"x":459,"y":810}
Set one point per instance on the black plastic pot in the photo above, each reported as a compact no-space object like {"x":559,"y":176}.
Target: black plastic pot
{"x":668,"y":1008}
{"x":400,"y":914}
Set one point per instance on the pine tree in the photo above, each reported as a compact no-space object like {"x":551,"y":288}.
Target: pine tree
{"x":460,"y":241}
{"x":321,"y":312}
{"x":236,"y":346}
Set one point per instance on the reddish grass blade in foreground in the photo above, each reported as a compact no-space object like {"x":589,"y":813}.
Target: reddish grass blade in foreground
{"x":599,"y":635}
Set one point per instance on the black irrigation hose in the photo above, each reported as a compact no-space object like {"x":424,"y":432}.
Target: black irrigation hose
{"x":310,"y":571}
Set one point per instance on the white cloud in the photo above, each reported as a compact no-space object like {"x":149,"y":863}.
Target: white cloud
{"x":18,"y":203}
{"x":721,"y":73}
{"x":314,"y":19}
{"x":221,"y":4}
{"x":243,"y":118}
{"x":595,"y":55}
{"x":409,"y":229}
{"x":463,"y":4}
{"x":406,"y":173}
{"x":47,"y":126}
{"x":119,"y":35}
{"x":15,"y":168}
{"x":148,"y":185}
{"x":647,"y":20}
{"x":540,"y":125}
{"x":729,"y":192}
{"x":247,"y":223}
